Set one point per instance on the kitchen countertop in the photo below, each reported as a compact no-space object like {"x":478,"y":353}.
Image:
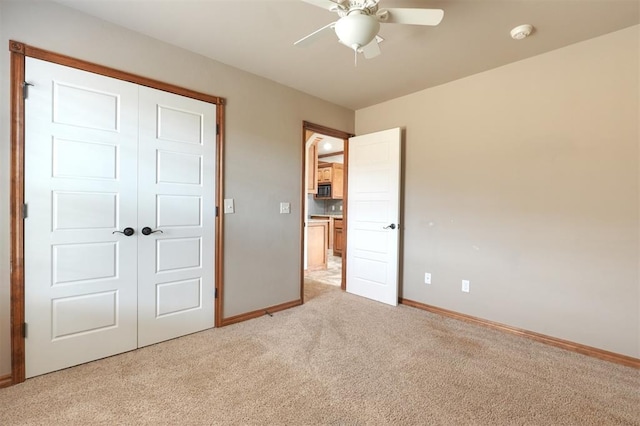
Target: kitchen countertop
{"x":336,"y":216}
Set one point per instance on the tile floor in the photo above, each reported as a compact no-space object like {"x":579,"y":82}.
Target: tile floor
{"x":332,"y":275}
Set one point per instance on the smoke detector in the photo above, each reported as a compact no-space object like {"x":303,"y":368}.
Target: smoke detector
{"x":521,"y":31}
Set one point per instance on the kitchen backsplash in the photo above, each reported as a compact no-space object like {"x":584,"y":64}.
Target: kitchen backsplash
{"x":332,"y":206}
{"x":323,"y":206}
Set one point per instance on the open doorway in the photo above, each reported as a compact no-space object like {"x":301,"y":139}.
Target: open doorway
{"x":325,"y":192}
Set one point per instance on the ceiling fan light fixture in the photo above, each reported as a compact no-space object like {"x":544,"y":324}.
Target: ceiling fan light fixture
{"x":357,"y":30}
{"x":359,"y":23}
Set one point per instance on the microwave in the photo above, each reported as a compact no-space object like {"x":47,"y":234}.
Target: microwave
{"x":324,"y":191}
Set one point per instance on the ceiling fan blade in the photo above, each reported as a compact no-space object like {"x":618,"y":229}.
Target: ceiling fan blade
{"x":307,"y":40}
{"x":372,"y":49}
{"x":326,"y":4}
{"x":410,"y":16}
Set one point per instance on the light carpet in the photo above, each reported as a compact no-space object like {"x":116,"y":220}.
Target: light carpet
{"x":337,"y":360}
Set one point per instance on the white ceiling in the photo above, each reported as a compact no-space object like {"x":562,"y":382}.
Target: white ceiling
{"x":258,"y":35}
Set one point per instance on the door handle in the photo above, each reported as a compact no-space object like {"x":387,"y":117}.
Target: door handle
{"x":126,"y":231}
{"x":148,"y":231}
{"x":392,"y":226}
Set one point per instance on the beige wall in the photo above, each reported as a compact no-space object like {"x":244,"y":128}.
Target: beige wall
{"x":525,"y":181}
{"x":263,"y":147}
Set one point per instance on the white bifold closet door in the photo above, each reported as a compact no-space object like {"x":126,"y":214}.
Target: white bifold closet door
{"x":103,"y":155}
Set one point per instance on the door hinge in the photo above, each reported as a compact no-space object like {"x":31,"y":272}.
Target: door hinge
{"x":24,"y":330}
{"x":216,"y":211}
{"x":25,"y":211}
{"x":215,"y":293}
{"x":25,"y":89}
{"x":217,"y":129}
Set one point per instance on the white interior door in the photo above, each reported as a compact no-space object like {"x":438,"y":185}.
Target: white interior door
{"x":80,"y":186}
{"x":373,"y":215}
{"x":176,"y":199}
{"x":103,"y":155}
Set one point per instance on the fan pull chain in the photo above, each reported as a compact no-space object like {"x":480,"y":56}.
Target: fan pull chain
{"x":355,"y":58}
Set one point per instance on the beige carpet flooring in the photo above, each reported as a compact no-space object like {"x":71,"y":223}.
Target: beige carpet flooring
{"x":336,"y":360}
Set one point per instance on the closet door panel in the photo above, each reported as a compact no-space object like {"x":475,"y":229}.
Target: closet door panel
{"x":103,"y":155}
{"x":177,"y":149}
{"x":80,"y":187}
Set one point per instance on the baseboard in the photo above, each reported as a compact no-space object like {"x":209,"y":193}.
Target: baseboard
{"x":260,"y":312}
{"x":6,"y":381}
{"x":549,"y":340}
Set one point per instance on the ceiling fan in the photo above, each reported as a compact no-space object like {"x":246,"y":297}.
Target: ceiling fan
{"x":360,"y":20}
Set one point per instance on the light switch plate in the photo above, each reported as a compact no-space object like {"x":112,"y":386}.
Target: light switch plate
{"x":228,"y":206}
{"x":465,"y":286}
{"x":427,"y":278}
{"x":285,"y":208}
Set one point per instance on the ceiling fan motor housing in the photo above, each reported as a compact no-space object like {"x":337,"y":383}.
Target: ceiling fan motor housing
{"x":345,"y":7}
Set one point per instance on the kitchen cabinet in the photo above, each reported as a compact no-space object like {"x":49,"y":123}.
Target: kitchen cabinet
{"x":330,"y":232}
{"x":317,"y":242}
{"x":324,"y":172}
{"x":312,"y":168}
{"x":333,"y":174}
{"x":338,"y":237}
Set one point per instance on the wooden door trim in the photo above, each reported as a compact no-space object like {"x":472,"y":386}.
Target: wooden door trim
{"x":19,"y":51}
{"x":56,"y":58}
{"x":219,"y":227}
{"x":16,"y":204}
{"x":323,"y":130}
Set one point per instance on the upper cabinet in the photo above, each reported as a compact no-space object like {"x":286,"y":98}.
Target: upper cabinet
{"x":312,"y":168}
{"x":332,"y":173}
{"x":325,"y":172}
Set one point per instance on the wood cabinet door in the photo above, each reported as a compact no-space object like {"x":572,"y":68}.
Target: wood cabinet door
{"x":324,"y":174}
{"x":337,"y":182}
{"x":317,"y":246}
{"x":312,"y":169}
{"x":337,"y":237}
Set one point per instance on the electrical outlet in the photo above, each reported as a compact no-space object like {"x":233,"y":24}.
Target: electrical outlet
{"x":465,"y":286}
{"x":427,"y":278}
{"x":285,"y":208}
{"x":228,"y":206}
